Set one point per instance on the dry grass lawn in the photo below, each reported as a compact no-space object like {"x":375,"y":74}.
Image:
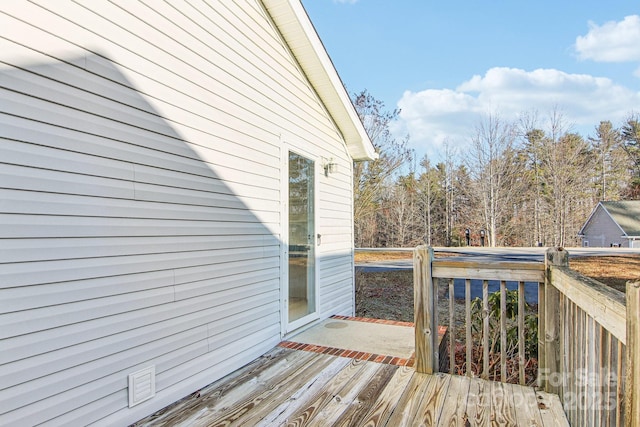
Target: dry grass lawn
{"x":382,"y":256}
{"x":614,"y":271}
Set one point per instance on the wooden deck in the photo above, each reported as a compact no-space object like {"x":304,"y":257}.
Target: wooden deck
{"x":295,"y":388}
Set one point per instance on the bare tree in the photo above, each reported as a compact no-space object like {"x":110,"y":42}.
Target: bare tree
{"x":492,"y":172}
{"x":425,"y":193}
{"x":565,"y":168}
{"x":604,"y":144}
{"x":371,"y":178}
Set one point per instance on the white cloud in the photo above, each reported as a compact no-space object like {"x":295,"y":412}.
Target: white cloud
{"x":433,"y":116}
{"x":612,"y":41}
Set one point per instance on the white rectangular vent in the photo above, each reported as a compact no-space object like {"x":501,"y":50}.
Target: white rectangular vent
{"x":142,"y":385}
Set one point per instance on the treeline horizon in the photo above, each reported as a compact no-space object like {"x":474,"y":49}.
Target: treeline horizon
{"x":529,"y":182}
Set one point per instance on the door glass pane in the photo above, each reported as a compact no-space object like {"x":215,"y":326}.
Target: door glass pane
{"x":301,"y":237}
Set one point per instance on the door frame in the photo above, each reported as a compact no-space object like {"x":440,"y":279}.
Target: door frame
{"x":286,"y":326}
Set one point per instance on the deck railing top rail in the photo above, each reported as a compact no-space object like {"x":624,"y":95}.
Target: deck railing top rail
{"x":604,"y":304}
{"x":466,"y":268}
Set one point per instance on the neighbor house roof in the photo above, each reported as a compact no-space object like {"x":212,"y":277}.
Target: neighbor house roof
{"x":626,"y":214}
{"x":297,"y":30}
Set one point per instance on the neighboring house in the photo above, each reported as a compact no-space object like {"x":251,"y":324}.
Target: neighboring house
{"x":175,"y":198}
{"x":613,"y":224}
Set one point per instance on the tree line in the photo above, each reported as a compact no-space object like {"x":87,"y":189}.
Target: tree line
{"x":529,"y":182}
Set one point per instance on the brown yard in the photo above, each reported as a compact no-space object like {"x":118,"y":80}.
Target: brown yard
{"x":614,"y":271}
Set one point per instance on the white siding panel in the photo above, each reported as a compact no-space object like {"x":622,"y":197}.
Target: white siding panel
{"x":24,"y":274}
{"x":73,"y":71}
{"x":50,"y":90}
{"x":126,"y":146}
{"x":20,"y":202}
{"x":233,"y":331}
{"x":66,"y":358}
{"x":245,"y":39}
{"x":163,"y":177}
{"x":42,"y":295}
{"x":332,"y":277}
{"x":30,"y":250}
{"x":34,"y":226}
{"x":140,"y":53}
{"x":239,"y":299}
{"x":103,"y":106}
{"x":30,"y":179}
{"x":43,"y":387}
{"x":196,"y":366}
{"x":335,"y":260}
{"x":39,"y":110}
{"x":98,"y":393}
{"x":140,"y":200}
{"x":205,"y":272}
{"x":21,"y":154}
{"x":203,"y":287}
{"x":236,"y":74}
{"x":217,"y":368}
{"x":25,"y":322}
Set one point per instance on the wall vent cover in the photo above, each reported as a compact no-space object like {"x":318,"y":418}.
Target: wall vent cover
{"x":142,"y":385}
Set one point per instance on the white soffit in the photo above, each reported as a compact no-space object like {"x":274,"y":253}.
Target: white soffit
{"x":301,"y":37}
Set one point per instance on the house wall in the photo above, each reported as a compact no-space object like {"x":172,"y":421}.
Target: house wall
{"x":140,"y":200}
{"x":602,"y":231}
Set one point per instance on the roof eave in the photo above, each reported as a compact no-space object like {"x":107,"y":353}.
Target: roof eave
{"x":305,"y":44}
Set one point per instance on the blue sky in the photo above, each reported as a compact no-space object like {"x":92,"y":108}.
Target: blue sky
{"x":447,"y":64}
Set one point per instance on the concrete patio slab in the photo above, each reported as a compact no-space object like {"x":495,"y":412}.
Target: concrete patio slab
{"x":368,"y":336}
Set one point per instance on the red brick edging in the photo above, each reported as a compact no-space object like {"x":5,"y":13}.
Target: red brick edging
{"x":352,"y":354}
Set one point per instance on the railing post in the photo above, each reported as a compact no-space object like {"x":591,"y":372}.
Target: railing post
{"x":632,"y":381}
{"x":549,"y":354}
{"x":426,"y":329}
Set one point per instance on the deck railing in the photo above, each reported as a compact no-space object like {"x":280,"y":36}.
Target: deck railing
{"x":588,"y":334}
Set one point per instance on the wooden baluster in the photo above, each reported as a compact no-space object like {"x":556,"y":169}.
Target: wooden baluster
{"x":485,"y":329}
{"x":469,"y":341}
{"x":452,"y":333}
{"x":632,"y":392}
{"x":521,"y":334}
{"x":503,"y":331}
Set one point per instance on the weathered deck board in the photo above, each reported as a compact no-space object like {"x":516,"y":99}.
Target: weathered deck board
{"x":503,"y":412}
{"x":526,"y":404}
{"x":433,"y":400}
{"x":339,"y":401}
{"x":387,"y":400}
{"x":360,"y":406}
{"x":296,"y":388}
{"x":266,"y":395}
{"x":315,"y":393}
{"x":410,"y":399}
{"x":454,"y":412}
{"x":478,"y":402}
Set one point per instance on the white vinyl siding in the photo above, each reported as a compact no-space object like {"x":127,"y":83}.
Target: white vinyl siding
{"x":140,"y":200}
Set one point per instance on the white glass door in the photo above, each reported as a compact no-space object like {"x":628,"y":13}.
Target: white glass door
{"x":301,"y":206}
